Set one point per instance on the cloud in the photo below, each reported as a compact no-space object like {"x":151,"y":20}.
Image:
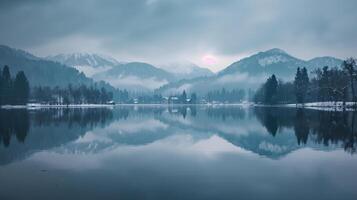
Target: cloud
{"x":243,"y":78}
{"x":156,"y":30}
{"x":135,"y":82}
{"x":136,"y":126}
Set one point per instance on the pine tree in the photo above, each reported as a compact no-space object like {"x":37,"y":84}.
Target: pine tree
{"x":193,"y":98}
{"x":301,"y":84}
{"x":270,"y":88}
{"x":183,"y":97}
{"x":1,"y":92}
{"x":6,"y":86}
{"x":21,"y":88}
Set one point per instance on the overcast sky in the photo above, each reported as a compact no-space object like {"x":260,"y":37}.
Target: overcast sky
{"x":211,"y":33}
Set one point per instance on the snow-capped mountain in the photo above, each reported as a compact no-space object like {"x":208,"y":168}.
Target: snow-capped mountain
{"x":186,"y":70}
{"x":40,"y":71}
{"x":324,"y":61}
{"x":278,"y":62}
{"x":273,"y":61}
{"x":251,"y":71}
{"x":89,"y":64}
{"x":135,"y":76}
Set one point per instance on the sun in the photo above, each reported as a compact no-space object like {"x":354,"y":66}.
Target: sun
{"x":209,"y":59}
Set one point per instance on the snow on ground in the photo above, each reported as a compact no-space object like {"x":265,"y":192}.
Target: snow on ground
{"x":35,"y":106}
{"x":326,"y":106}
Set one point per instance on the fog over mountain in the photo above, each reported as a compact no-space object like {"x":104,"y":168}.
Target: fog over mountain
{"x":186,"y":70}
{"x":250,"y":72}
{"x":135,"y":76}
{"x":130,"y":75}
{"x":173,"y":78}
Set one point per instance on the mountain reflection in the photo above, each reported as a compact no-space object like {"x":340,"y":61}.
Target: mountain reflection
{"x":272,"y":132}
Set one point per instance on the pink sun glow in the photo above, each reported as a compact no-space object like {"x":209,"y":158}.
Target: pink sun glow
{"x":209,"y":60}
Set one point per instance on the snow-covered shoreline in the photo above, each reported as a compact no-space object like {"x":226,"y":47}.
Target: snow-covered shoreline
{"x":37,"y":106}
{"x":326,"y":106}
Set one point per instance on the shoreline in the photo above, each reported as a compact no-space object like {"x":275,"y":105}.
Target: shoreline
{"x":326,"y":106}
{"x":55,"y":106}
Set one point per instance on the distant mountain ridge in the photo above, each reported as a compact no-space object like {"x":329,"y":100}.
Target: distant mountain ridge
{"x":186,"y":70}
{"x":251,"y":71}
{"x":246,"y":73}
{"x":89,"y":64}
{"x":136,"y":76}
{"x":82,"y":59}
{"x":277,"y":61}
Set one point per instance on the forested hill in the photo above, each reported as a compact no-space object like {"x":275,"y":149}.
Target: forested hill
{"x":39,"y":71}
{"x":42,"y":72}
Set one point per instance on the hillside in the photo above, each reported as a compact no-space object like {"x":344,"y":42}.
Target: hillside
{"x":250,"y":72}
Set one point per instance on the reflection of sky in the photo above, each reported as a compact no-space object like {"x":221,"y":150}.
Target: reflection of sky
{"x":198,"y":157}
{"x":178,"y":167}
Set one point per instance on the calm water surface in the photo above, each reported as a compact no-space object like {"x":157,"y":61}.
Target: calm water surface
{"x":159,"y":152}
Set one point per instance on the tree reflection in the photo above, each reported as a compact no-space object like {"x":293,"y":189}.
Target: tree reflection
{"x":323,"y":127}
{"x":13,"y":123}
{"x":301,"y":126}
{"x":17,"y":122}
{"x":183,"y":110}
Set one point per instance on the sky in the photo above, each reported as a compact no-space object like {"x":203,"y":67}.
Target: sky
{"x":210,"y":33}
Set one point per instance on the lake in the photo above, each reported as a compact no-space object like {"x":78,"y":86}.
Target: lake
{"x":178,"y":152}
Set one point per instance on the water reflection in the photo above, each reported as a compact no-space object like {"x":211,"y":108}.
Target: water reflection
{"x":323,"y":127}
{"x":242,"y":127}
{"x":177,"y":152}
{"x":13,"y":124}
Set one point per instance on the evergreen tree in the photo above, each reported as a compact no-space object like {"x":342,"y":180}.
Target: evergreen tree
{"x":193,"y":98}
{"x":301,"y":84}
{"x":6,"y":86}
{"x":21,"y":88}
{"x":1,"y":92}
{"x":271,"y":90}
{"x":183,"y":97}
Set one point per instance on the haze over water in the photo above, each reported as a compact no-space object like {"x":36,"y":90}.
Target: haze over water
{"x":177,"y":152}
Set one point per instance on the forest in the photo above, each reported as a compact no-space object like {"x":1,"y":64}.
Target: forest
{"x":324,"y":84}
{"x":17,"y":91}
{"x":227,"y":96}
{"x":13,"y":91}
{"x":71,"y":95}
{"x":335,"y":84}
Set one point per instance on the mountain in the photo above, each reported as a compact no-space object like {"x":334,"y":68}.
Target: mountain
{"x":278,"y":62}
{"x":250,"y":72}
{"x":41,"y":72}
{"x":324,"y":61}
{"x":186,"y":70}
{"x":137,"y":76}
{"x":274,"y":61}
{"x":89,"y":64}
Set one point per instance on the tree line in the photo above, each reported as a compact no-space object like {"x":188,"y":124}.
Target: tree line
{"x":326,"y":84}
{"x":228,"y":96}
{"x":13,"y":91}
{"x":71,"y":95}
{"x":183,"y":98}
